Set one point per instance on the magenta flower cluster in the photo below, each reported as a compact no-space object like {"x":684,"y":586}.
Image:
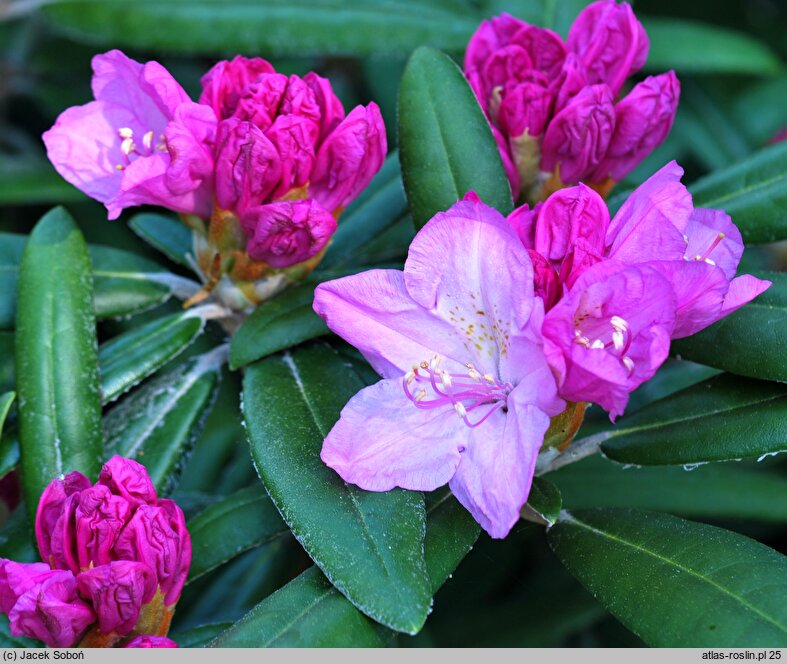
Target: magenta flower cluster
{"x":552,"y":104}
{"x":110,"y":550}
{"x":278,"y":152}
{"x":495,"y":322}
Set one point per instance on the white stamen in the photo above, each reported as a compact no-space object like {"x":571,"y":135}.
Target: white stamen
{"x":409,"y":377}
{"x":421,"y":395}
{"x":489,"y":378}
{"x":460,"y":410}
{"x":686,"y":239}
{"x":628,"y":363}
{"x":147,"y":140}
{"x":434,"y":363}
{"x":617,"y":340}
{"x":127,"y":146}
{"x":597,"y":344}
{"x":125,"y":132}
{"x":619,"y":324}
{"x":445,"y":379}
{"x":710,"y":261}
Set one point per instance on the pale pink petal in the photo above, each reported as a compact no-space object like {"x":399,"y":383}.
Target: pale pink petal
{"x":742,"y":290}
{"x":714,"y":239}
{"x":494,"y":476}
{"x":382,"y":440}
{"x":374,"y":312}
{"x":651,"y":223}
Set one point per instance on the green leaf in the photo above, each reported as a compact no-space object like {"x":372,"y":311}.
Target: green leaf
{"x":199,"y":637}
{"x":291,"y":27}
{"x":5,"y":405}
{"x":309,"y":612}
{"x":750,"y":341}
{"x":7,"y":371}
{"x":445,"y":142}
{"x":158,"y":423}
{"x":676,"y":583}
{"x":123,"y":282}
{"x":277,"y":324}
{"x":26,"y":181}
{"x":753,"y":192}
{"x":376,"y":210}
{"x":369,"y":544}
{"x":544,"y":502}
{"x":17,"y":538}
{"x":170,"y":236}
{"x":720,"y":419}
{"x":237,"y":523}
{"x":713,"y":491}
{"x":9,"y":450}
{"x":691,"y":46}
{"x":56,"y":363}
{"x":130,"y":357}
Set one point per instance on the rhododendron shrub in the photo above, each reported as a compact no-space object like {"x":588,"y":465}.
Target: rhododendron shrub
{"x":352,"y":327}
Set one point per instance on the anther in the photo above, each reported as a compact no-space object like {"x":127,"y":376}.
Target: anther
{"x":597,"y":344}
{"x":445,"y":379}
{"x":460,"y":410}
{"x":421,"y":395}
{"x":147,"y":140}
{"x":125,"y":132}
{"x":628,"y":363}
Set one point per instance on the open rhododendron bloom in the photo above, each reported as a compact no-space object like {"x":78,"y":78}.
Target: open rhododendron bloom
{"x":115,"y":557}
{"x":256,"y":143}
{"x":553,"y":105}
{"x":466,"y":394}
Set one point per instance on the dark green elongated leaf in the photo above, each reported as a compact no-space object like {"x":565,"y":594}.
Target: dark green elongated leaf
{"x":5,"y":405}
{"x":158,"y":423}
{"x":130,"y":357}
{"x":378,"y":208}
{"x":758,"y":109}
{"x":715,"y":491}
{"x":369,"y":544}
{"x":446,"y":145}
{"x":123,"y":282}
{"x":544,"y":502}
{"x":170,"y":236}
{"x":753,"y":192}
{"x":691,"y":46}
{"x":292,"y":27}
{"x":749,"y":341}
{"x":720,"y":419}
{"x":309,"y":612}
{"x":231,"y":526}
{"x":276,"y":325}
{"x":56,"y":364}
{"x":17,"y":538}
{"x":7,"y":378}
{"x":199,"y":637}
{"x":676,"y":583}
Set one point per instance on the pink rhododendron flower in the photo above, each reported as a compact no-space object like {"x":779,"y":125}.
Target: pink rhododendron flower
{"x":151,"y":642}
{"x":552,"y":103}
{"x":466,"y":394}
{"x":616,"y":291}
{"x":42,"y":603}
{"x":119,"y":149}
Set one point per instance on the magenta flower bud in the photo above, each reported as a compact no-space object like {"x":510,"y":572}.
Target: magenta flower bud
{"x":610,"y":41}
{"x":50,"y":510}
{"x":578,"y":137}
{"x":545,"y":47}
{"x":247,"y":165}
{"x":545,"y":282}
{"x":49,"y":609}
{"x":299,"y":99}
{"x":224,"y":84}
{"x":98,"y":518}
{"x":505,"y":67}
{"x":294,"y":139}
{"x":150,"y":641}
{"x":490,"y":36}
{"x":259,"y":103}
{"x":156,"y":535}
{"x":129,"y":479}
{"x":523,"y":221}
{"x":525,"y":108}
{"x":16,"y":579}
{"x":117,"y":592}
{"x":349,"y":158}
{"x":331,"y":108}
{"x":288,"y":232}
{"x":569,"y":82}
{"x":643,"y":118}
{"x":567,"y":216}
